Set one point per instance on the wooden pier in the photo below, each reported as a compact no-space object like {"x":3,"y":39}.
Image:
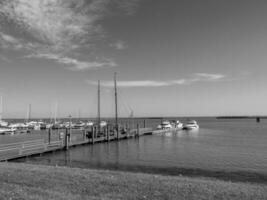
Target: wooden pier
{"x":36,"y":147}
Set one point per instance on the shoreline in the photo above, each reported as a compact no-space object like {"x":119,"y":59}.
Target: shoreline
{"x":233,"y":176}
{"x":25,"y":181}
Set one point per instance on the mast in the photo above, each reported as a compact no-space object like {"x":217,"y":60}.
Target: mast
{"x":98,"y":105}
{"x":56,"y":109}
{"x":1,"y":108}
{"x":116,"y":101}
{"x":29,"y":113}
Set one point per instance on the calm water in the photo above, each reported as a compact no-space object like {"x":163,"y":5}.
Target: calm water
{"x":219,"y":145}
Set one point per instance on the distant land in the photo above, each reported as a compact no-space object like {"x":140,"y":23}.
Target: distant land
{"x":240,"y":117}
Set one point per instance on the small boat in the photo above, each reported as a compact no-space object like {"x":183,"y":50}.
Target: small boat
{"x":79,"y":125}
{"x":179,"y":125}
{"x":3,"y":123}
{"x":165,"y":125}
{"x":6,"y":130}
{"x":103,"y":123}
{"x":89,"y":123}
{"x":190,"y":125}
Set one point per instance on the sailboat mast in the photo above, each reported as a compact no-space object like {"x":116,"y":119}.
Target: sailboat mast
{"x":98,"y":105}
{"x":116,"y":100}
{"x":29,"y":113}
{"x":56,"y":109}
{"x":1,"y":108}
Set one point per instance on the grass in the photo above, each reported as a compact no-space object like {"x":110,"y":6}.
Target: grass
{"x":24,"y":181}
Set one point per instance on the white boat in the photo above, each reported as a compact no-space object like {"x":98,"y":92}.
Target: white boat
{"x":89,"y":123}
{"x":179,"y":125}
{"x":191,"y":125}
{"x":3,"y":123}
{"x":18,"y":126}
{"x":103,"y":123}
{"x":79,"y":125}
{"x":7,"y":130}
{"x":165,"y":125}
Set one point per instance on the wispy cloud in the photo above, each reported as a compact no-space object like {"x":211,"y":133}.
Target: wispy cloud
{"x":198,"y":77}
{"x":58,"y":27}
{"x":74,"y":64}
{"x":119,"y":45}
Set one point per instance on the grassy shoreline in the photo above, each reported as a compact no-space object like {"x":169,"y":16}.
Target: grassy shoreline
{"x":25,"y":181}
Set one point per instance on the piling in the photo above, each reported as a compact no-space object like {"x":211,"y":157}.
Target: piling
{"x":66,"y":140}
{"x":258,"y":119}
{"x":93,"y":135}
{"x":138,"y":130}
{"x":49,"y":135}
{"x":108,"y":132}
{"x":84,"y":134}
{"x":144,"y":123}
{"x":126,"y":129}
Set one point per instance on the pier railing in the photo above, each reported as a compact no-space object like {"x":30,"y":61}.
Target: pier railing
{"x":67,"y":139}
{"x":21,"y":149}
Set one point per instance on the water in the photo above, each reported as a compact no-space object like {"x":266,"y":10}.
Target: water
{"x":220,"y":146}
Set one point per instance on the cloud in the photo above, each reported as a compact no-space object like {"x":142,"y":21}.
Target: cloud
{"x":74,"y":64}
{"x":198,"y":77}
{"x":119,"y":45}
{"x":58,"y":27}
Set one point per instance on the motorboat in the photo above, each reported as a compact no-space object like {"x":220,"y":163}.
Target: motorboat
{"x":165,"y":125}
{"x":103,"y":123}
{"x":178,"y":125}
{"x":89,"y":123}
{"x":191,"y":125}
{"x":5,"y":130}
{"x":79,"y":125}
{"x":18,"y":126}
{"x":3,"y":123}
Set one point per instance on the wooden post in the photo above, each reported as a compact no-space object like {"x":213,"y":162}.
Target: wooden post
{"x":126,"y":129}
{"x":144,"y":123}
{"x":93,"y":134}
{"x":108,"y":132}
{"x":66,"y":140}
{"x":138,"y":130}
{"x":49,"y":135}
{"x":69,"y":135}
{"x":84,"y":133}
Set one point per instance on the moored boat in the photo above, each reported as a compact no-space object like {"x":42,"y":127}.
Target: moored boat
{"x":190,"y":125}
{"x":165,"y":125}
{"x":178,"y":125}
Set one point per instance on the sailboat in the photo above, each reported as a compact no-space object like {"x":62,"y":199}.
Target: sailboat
{"x":4,"y":129}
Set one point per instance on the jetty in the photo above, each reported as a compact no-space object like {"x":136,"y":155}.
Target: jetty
{"x":66,"y":140}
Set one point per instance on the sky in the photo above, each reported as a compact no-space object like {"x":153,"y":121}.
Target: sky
{"x":172,"y":57}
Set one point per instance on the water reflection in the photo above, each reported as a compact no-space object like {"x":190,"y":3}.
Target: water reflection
{"x":237,"y":147}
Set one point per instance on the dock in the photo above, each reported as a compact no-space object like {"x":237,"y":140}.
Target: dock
{"x":37,"y":147}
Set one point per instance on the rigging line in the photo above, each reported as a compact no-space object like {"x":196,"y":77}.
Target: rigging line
{"x":124,"y":101}
{"x":127,"y":109}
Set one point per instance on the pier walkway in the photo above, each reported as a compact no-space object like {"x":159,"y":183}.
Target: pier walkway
{"x":12,"y":151}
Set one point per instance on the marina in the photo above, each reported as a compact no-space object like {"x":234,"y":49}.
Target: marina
{"x":223,"y":148}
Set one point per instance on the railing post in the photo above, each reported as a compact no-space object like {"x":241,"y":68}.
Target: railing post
{"x":93,"y":134}
{"x":84,"y":132}
{"x":138,"y":130}
{"x":144,"y":123}
{"x":49,"y":135}
{"x":66,"y":139}
{"x":108,"y":132}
